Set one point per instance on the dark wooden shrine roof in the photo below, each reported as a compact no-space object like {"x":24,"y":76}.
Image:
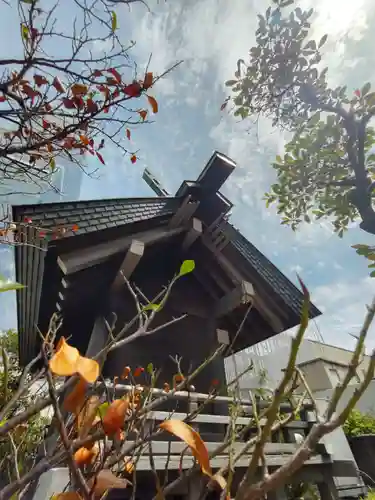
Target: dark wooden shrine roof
{"x":103,"y":219}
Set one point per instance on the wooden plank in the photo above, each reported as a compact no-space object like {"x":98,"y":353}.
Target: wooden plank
{"x":176,"y":448}
{"x":215,"y":419}
{"x":200,"y":396}
{"x":87,"y":257}
{"x":186,"y":462}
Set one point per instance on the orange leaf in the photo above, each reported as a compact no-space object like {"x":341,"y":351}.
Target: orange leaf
{"x":114,"y":417}
{"x":58,"y":85}
{"x":88,"y":369}
{"x":83,"y":456}
{"x":75,"y":399}
{"x":78,"y":89}
{"x":153,"y":103}
{"x":148,"y":80}
{"x":85,"y":140}
{"x":192,"y":439}
{"x":64,"y":361}
{"x":143,"y":114}
{"x":125,"y":374}
{"x":87,"y":416}
{"x":138,"y":371}
{"x":75,"y":227}
{"x":133,"y":158}
{"x":128,"y":133}
{"x":105,"y":481}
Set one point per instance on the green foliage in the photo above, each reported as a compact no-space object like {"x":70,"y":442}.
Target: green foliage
{"x":283,"y":80}
{"x":187,"y":267}
{"x":26,"y":437}
{"x":370,"y":495}
{"x":358,"y":424}
{"x":369,"y":253}
{"x":6,"y":286}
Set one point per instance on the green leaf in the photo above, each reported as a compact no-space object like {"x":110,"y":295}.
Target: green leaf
{"x":102,"y":410}
{"x":6,"y":286}
{"x":372,"y":274}
{"x":230,"y":83}
{"x":24,"y":31}
{"x":152,"y":307}
{"x":187,"y":267}
{"x":114,"y":21}
{"x":52,"y":164}
{"x":150,"y":368}
{"x":370,"y":99}
{"x":366,"y":88}
{"x":322,"y":41}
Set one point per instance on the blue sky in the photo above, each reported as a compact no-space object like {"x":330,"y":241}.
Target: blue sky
{"x":210,"y":35}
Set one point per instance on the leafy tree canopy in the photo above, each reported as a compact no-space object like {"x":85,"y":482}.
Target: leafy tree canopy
{"x":328,"y":168}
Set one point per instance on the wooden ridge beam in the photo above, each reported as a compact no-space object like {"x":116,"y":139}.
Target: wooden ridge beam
{"x":73,"y":262}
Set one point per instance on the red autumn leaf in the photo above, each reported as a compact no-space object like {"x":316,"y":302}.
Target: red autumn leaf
{"x":58,"y":85}
{"x":115,"y":94}
{"x":101,"y":159}
{"x":45,"y":124}
{"x":97,"y":73}
{"x":128,"y":133}
{"x":111,"y":81}
{"x":115,"y":73}
{"x":132,"y":90}
{"x":68,"y":103}
{"x":148,"y":80}
{"x":101,"y":144}
{"x":91,"y":106}
{"x":79,"y":102}
{"x":42,"y":234}
{"x":357,"y":93}
{"x":91,"y":142}
{"x":104,"y":90}
{"x":223,"y":106}
{"x":2,"y":98}
{"x":142,"y":113}
{"x":133,"y":158}
{"x":153,"y":103}
{"x":40,"y":80}
{"x":106,"y":109}
{"x":138,"y":371}
{"x":34,"y":33}
{"x":27,"y":220}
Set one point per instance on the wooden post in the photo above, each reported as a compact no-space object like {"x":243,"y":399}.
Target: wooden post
{"x":327,"y":489}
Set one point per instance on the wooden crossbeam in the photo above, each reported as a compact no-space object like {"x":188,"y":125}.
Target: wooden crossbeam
{"x":184,"y":212}
{"x":78,"y":260}
{"x":241,"y":294}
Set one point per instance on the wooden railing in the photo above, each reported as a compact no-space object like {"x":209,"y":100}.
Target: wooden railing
{"x":212,"y":420}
